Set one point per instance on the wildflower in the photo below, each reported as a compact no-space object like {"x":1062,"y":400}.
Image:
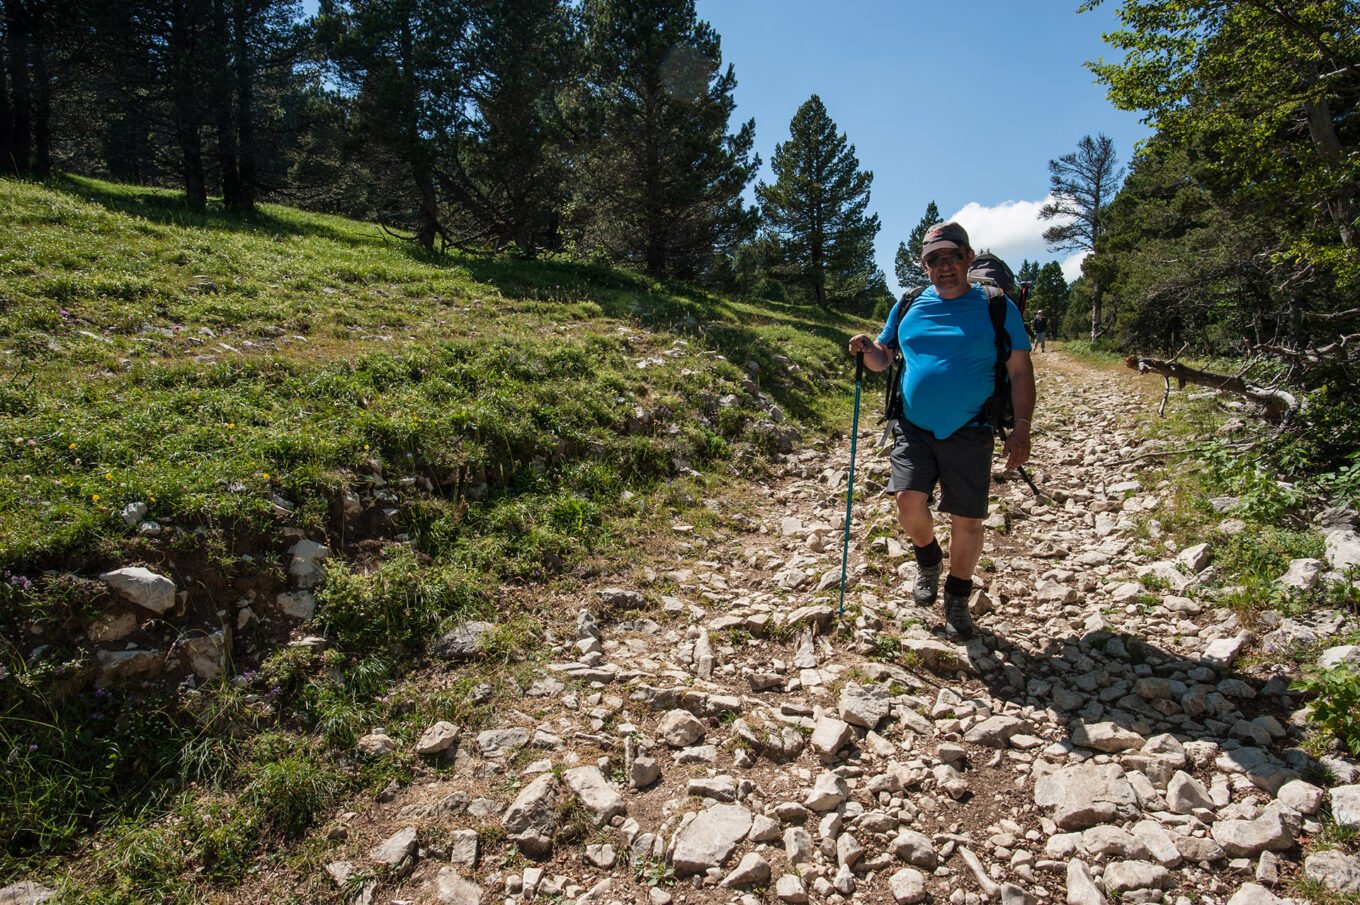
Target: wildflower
{"x":108,"y":476}
{"x":94,"y":498}
{"x":4,"y":673}
{"x":265,"y":475}
{"x":72,"y":446}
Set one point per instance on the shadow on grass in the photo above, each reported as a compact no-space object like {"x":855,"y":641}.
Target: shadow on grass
{"x":168,"y":208}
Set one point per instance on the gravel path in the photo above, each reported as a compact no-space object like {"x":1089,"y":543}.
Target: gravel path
{"x":712,"y":733}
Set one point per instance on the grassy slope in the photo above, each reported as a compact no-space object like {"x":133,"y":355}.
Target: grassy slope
{"x":520,"y":419}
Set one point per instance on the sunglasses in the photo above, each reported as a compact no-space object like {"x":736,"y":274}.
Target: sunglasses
{"x":944,"y":260}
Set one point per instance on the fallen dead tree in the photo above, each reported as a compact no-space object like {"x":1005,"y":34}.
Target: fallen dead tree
{"x":1277,"y":405}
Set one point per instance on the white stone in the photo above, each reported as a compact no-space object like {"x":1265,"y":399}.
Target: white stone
{"x":439,"y":737}
{"x":907,"y":886}
{"x":143,"y":587}
{"x":680,"y":729}
{"x":709,"y":839}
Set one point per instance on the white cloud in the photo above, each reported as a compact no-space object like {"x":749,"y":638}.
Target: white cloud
{"x":1013,"y":230}
{"x":1071,"y":266}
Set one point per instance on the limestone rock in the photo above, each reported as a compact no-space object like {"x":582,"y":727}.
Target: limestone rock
{"x":863,"y":706}
{"x":907,"y":886}
{"x":1085,"y":794}
{"x":680,"y":729}
{"x":439,"y":737}
{"x":600,"y":799}
{"x":710,"y":838}
{"x":143,"y":587}
{"x":451,"y":888}
{"x":396,"y":848}
{"x":462,"y":643}
{"x":1334,"y":869}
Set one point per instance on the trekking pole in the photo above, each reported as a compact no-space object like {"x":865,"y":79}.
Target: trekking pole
{"x":1038,"y":494}
{"x":850,"y":484}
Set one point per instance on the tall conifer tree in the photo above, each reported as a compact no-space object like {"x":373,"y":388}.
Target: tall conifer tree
{"x":1083,"y":184}
{"x":405,"y":59}
{"x":910,"y":274}
{"x":661,"y":184}
{"x":512,"y":170}
{"x":815,"y":210}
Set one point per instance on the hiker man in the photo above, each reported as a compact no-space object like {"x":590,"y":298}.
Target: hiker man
{"x":950,"y":349}
{"x":1040,"y":325}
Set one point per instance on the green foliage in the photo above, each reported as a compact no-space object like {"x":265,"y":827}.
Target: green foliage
{"x":887,"y":647}
{"x":1234,"y":84}
{"x":1335,"y":704}
{"x":815,"y":209}
{"x":907,"y":262}
{"x":291,"y":793}
{"x":661,"y":185}
{"x":400,"y":601}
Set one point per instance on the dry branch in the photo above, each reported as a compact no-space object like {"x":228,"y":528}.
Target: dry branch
{"x":1278,"y":404}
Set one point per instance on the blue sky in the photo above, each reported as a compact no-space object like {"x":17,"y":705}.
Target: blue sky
{"x":963,"y":103}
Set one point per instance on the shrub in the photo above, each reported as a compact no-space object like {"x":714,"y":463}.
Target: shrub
{"x":290,"y":794}
{"x":1335,"y":705}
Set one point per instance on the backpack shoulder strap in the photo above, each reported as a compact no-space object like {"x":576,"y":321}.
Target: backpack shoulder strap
{"x":996,"y":310}
{"x":899,"y":311}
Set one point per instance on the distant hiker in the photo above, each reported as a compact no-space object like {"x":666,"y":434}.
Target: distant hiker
{"x":943,"y":436}
{"x":1040,"y":326}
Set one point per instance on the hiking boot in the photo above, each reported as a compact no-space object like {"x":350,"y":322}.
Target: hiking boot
{"x":956,"y":618}
{"x":927,"y":586}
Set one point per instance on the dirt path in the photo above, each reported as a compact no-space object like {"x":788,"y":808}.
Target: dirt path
{"x":713,"y":734}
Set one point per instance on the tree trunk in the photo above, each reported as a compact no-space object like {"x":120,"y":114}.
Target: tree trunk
{"x":221,"y":99}
{"x":187,"y":112}
{"x":1342,"y":204}
{"x":655,"y":250}
{"x":42,"y":107}
{"x":6,"y":117}
{"x":17,"y":29}
{"x":427,"y":226}
{"x":1097,"y":296}
{"x":245,"y":107}
{"x":422,"y":173}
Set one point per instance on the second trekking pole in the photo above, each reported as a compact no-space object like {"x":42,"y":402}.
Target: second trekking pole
{"x":850,"y":482}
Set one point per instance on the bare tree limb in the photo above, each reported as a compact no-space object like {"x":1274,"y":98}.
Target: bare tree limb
{"x":1278,"y":404}
{"x":1331,"y":315}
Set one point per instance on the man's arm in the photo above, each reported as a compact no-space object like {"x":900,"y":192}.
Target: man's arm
{"x":877,"y":356}
{"x":1021,"y":370}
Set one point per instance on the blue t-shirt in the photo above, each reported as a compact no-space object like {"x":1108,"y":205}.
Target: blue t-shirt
{"x":949,"y":350}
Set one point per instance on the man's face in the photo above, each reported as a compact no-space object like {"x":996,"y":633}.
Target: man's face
{"x":948,"y":270}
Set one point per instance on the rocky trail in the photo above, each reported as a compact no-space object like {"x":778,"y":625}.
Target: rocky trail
{"x":712,"y":733}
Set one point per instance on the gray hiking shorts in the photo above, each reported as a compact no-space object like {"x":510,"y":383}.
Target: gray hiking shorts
{"x":961,"y":464}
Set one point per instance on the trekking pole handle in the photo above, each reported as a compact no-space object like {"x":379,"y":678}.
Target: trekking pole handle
{"x":859,"y":367}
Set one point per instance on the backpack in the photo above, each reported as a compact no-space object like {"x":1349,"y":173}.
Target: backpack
{"x":987,"y":267}
{"x":997,"y":411}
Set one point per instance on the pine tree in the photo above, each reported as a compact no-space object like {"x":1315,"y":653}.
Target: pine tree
{"x":27,"y":32}
{"x":512,"y":170}
{"x":1050,"y":295}
{"x":1083,"y":184}
{"x":910,"y":274}
{"x":661,"y":185}
{"x":1028,"y":272}
{"x":815,"y":209}
{"x":405,"y":60}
